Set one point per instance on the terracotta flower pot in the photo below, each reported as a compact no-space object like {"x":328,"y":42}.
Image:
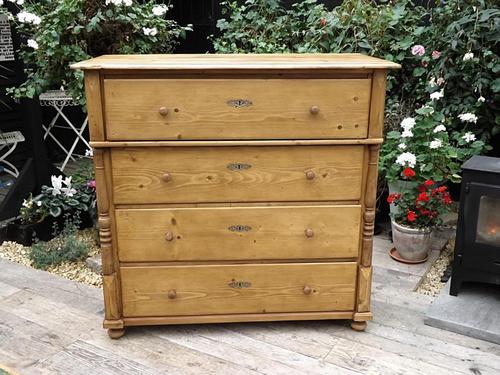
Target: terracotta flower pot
{"x":411,"y":244}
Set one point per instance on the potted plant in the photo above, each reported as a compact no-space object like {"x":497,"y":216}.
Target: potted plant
{"x":41,"y":217}
{"x":419,"y":211}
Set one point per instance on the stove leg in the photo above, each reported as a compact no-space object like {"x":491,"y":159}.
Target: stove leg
{"x":455,"y":285}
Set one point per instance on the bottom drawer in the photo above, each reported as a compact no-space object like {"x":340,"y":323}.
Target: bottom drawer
{"x":237,"y":289}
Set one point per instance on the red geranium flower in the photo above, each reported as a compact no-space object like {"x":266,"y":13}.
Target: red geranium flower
{"x":441,"y":189}
{"x":322,"y":21}
{"x":408,"y":172}
{"x":447,"y":199}
{"x":421,"y":188}
{"x":412,"y":216}
{"x":392,"y":197}
{"x":428,"y":183}
{"x":423,"y":197}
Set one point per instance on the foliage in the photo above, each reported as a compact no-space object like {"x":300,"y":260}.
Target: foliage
{"x":62,"y":197}
{"x":59,"y":33}
{"x":422,"y":206}
{"x":425,"y":145}
{"x":430,"y":43}
{"x":67,"y":247}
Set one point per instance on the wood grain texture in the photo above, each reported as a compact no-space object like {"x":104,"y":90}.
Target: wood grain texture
{"x":202,"y":290}
{"x":267,"y":174}
{"x":208,"y":143}
{"x":228,"y":62}
{"x":377,"y":103}
{"x":196,"y":234}
{"x":199,"y":109}
{"x":364,"y":289}
{"x":94,"y":106}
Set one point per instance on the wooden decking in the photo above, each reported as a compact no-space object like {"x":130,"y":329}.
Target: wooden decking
{"x":49,"y":325}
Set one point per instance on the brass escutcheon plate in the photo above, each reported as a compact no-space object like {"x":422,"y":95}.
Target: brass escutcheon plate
{"x":239,"y":103}
{"x":240,"y":228}
{"x":240,"y":284}
{"x":238,"y":166}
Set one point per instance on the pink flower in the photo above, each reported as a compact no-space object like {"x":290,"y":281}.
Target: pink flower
{"x":91,"y":184}
{"x":436,"y":55}
{"x":417,"y":50}
{"x":440,"y":81}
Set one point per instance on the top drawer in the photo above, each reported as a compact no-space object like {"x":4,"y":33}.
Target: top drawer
{"x":195,"y":109}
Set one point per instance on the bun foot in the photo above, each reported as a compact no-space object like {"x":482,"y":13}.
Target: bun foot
{"x":358,"y":326}
{"x":116,"y":333}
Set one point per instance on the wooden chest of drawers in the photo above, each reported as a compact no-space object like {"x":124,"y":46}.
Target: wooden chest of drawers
{"x":235,"y":187}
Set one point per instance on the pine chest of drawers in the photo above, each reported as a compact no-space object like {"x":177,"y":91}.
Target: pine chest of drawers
{"x":235,"y":188}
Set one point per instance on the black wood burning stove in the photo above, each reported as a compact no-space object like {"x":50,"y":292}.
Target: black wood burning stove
{"x":477,"y":248}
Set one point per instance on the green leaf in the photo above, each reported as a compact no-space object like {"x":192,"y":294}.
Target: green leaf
{"x":55,"y":211}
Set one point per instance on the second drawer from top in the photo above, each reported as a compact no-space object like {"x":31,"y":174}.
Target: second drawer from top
{"x":153,"y":175}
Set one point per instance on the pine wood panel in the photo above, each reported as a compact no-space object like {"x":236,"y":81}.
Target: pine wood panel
{"x":225,"y":233}
{"x":267,"y":288}
{"x":227,"y":62}
{"x":203,"y":174}
{"x":199,"y":108}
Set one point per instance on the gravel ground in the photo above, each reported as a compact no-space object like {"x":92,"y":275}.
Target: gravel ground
{"x":431,"y":283}
{"x":77,"y":271}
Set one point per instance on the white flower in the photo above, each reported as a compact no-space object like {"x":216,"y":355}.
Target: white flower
{"x":440,"y":128}
{"x":407,"y":159}
{"x":408,"y":123}
{"x":440,"y":81}
{"x":25,"y":202}
{"x":68,"y":190}
{"x":56,"y":184}
{"x":407,"y":134}
{"x":26,"y":17}
{"x":89,"y":153}
{"x":38,"y":203}
{"x":468,"y":117}
{"x":481,"y":99}
{"x":468,"y":56}
{"x":147,"y":31}
{"x":402,"y":146}
{"x":469,"y":137}
{"x":119,"y":2}
{"x":160,"y":10}
{"x":437,"y":95}
{"x":436,"y":143}
{"x":32,"y":43}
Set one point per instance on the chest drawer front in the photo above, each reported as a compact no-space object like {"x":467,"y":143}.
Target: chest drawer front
{"x":244,"y":233}
{"x":236,"y":174}
{"x":166,"y":109}
{"x":234,"y":289}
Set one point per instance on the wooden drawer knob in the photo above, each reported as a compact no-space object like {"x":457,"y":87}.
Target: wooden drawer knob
{"x":307,"y":290}
{"x":310,"y":175}
{"x":166,"y":177}
{"x":314,"y":110}
{"x":169,"y":236}
{"x":309,"y":233}
{"x":172,"y":294}
{"x":163,"y":111}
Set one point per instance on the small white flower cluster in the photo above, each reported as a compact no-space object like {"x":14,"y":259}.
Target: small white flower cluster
{"x":407,"y":159}
{"x":407,"y":124}
{"x":439,"y":128}
{"x":469,"y":137}
{"x":402,"y":146}
{"x":18,"y":2}
{"x":27,"y":17}
{"x":468,"y":56}
{"x":437,"y":95}
{"x":32,"y":43}
{"x":468,"y":117}
{"x":57,"y":186}
{"x":119,"y":2}
{"x":481,"y":99}
{"x":160,"y":10}
{"x":150,"y":31}
{"x":436,"y":143}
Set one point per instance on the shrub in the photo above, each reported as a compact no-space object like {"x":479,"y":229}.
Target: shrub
{"x":429,"y":44}
{"x":59,"y":33}
{"x":67,"y":247}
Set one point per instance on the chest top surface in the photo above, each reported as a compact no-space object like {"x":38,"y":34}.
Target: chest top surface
{"x":236,"y":62}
